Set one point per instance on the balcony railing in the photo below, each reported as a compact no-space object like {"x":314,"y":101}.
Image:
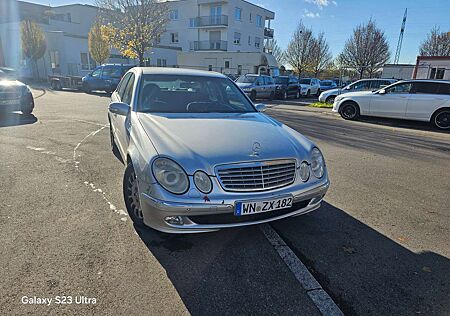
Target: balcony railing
{"x":268,"y":32}
{"x":212,"y":20}
{"x":209,"y":45}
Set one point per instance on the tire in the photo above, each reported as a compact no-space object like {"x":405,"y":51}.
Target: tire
{"x":28,"y":106}
{"x":53,"y":85}
{"x":318,"y":93}
{"x":131,"y":195}
{"x":284,"y":96}
{"x":272,"y":96}
{"x":349,"y":111}
{"x":330,"y":99}
{"x":85,"y":88}
{"x":441,"y":119}
{"x":308,"y":94}
{"x":253,"y":96}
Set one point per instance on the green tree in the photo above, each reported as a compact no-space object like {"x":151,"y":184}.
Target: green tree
{"x":98,"y":42}
{"x":33,"y":42}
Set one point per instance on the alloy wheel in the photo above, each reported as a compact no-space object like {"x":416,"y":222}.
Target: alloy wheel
{"x":132,"y":195}
{"x":442,"y":120}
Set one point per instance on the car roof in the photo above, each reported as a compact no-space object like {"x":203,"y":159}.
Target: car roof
{"x":426,"y":80}
{"x":178,"y":72}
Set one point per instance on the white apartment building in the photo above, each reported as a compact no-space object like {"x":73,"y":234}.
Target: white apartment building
{"x":432,"y":67}
{"x":221,"y":35}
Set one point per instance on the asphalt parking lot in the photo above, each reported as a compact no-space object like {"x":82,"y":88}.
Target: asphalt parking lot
{"x":379,"y":245}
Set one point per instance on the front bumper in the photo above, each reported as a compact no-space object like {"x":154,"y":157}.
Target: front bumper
{"x":196,"y":216}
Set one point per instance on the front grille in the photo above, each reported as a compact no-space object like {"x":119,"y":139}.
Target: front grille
{"x":230,"y":218}
{"x":258,"y":176}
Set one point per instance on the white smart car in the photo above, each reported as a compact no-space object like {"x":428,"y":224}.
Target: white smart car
{"x":419,"y":100}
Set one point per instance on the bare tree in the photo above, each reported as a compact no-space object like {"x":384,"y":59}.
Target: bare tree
{"x":321,"y":55}
{"x":33,"y":42}
{"x":134,"y":26}
{"x":98,"y":43}
{"x":367,"y":50}
{"x":437,"y":43}
{"x":276,"y":51}
{"x":299,"y":51}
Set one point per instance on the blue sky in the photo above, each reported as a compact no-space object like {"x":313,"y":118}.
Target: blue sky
{"x":337,"y":18}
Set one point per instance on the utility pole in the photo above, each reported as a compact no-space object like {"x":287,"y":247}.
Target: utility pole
{"x":400,"y":38}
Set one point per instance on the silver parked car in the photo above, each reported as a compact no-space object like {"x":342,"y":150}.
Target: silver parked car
{"x":257,"y":86}
{"x":200,"y":156}
{"x":14,"y":95}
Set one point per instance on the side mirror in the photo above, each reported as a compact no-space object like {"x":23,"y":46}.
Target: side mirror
{"x":119,"y":108}
{"x":382,"y":91}
{"x":260,"y":107}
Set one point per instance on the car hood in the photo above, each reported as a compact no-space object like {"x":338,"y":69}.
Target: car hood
{"x":244,"y":85}
{"x":203,"y":141}
{"x":11,"y":83}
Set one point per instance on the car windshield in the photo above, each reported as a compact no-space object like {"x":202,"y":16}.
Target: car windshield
{"x":281,"y":80}
{"x":326,"y":83}
{"x":246,"y":79}
{"x":305,"y":81}
{"x":191,"y":94}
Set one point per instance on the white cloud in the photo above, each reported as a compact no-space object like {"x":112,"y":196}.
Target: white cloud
{"x":312,"y":15}
{"x":322,"y":3}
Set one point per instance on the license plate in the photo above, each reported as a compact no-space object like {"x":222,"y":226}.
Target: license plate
{"x":256,"y":207}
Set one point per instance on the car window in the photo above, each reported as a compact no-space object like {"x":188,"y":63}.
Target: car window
{"x":294,"y":80}
{"x":247,"y":79}
{"x":444,"y":88}
{"x":281,"y":80}
{"x":259,"y":81}
{"x":191,"y":94}
{"x":361,"y":85}
{"x":123,"y":85}
{"x":97,"y":73}
{"x":425,"y":88}
{"x":376,"y":84}
{"x":404,"y":87}
{"x":128,"y":91}
{"x":112,"y":72}
{"x":269,"y":80}
{"x":305,"y":81}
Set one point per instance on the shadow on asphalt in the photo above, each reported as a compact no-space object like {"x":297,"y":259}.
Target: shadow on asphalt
{"x":16,"y":119}
{"x":362,"y":136}
{"x":421,"y":126}
{"x":365,"y":272}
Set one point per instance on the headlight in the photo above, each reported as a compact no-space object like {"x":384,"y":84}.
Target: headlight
{"x":304,"y":171}
{"x":317,"y":163}
{"x":202,"y":182}
{"x":170,"y":175}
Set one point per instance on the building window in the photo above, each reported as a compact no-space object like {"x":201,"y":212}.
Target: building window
{"x":192,"y":22}
{"x":210,"y":67}
{"x":238,"y":14}
{"x":251,"y":18}
{"x":227,"y":64}
{"x":249,"y":40}
{"x":174,"y":37}
{"x":160,"y":62}
{"x":257,"y":42}
{"x":259,"y":22}
{"x":237,"y":38}
{"x":174,"y":14}
{"x":437,"y":73}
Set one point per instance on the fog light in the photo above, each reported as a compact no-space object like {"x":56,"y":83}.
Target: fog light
{"x":174,"y":220}
{"x":304,"y":172}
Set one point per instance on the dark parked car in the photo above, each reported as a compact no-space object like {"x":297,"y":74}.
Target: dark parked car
{"x":14,"y":95}
{"x":286,"y":87}
{"x":327,"y":85}
{"x":257,"y":86}
{"x":104,"y":78}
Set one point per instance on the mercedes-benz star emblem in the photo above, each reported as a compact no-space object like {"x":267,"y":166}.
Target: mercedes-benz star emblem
{"x":256,"y":149}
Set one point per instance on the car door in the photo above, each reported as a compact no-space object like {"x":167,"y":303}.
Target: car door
{"x":259,"y":84}
{"x":95,"y":79}
{"x":393,"y":102}
{"x":122,"y":95}
{"x":426,"y":99}
{"x":316,"y":86}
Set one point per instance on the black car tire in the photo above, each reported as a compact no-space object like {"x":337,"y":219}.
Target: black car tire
{"x":318,"y":92}
{"x":131,"y":195}
{"x":27,"y":106}
{"x":308,"y":94}
{"x":330,"y":99}
{"x":441,"y":119}
{"x":272,"y":96}
{"x":349,"y":111}
{"x":284,"y":96}
{"x":253,"y":95}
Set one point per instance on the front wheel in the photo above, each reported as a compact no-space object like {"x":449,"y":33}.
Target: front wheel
{"x":297,"y":95}
{"x":441,"y":119}
{"x":131,"y":195}
{"x":27,"y":106}
{"x":330,"y":99}
{"x":349,"y":111}
{"x":318,"y":93}
{"x":272,"y":96}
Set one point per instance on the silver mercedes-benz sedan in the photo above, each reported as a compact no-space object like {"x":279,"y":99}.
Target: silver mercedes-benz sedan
{"x":200,"y":156}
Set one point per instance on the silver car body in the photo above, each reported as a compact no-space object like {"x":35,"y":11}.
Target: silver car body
{"x":312,"y":88}
{"x":210,"y":142}
{"x":263,"y":87}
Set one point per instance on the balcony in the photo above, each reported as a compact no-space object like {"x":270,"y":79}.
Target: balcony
{"x":211,"y":21}
{"x":209,"y":45}
{"x":268,"y":32}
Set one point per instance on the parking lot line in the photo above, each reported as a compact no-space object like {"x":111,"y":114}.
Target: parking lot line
{"x":316,"y":293}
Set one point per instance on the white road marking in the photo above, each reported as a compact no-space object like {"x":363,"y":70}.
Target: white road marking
{"x":75,"y":161}
{"x":316,"y":293}
{"x":49,"y":153}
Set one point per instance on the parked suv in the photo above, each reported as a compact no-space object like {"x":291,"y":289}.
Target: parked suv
{"x":286,"y":87}
{"x":309,"y":86}
{"x":104,"y":78}
{"x":360,"y":85}
{"x":257,"y":86}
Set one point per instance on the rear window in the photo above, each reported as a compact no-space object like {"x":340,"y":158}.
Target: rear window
{"x":305,"y":81}
{"x":444,"y":88}
{"x":425,"y":88}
